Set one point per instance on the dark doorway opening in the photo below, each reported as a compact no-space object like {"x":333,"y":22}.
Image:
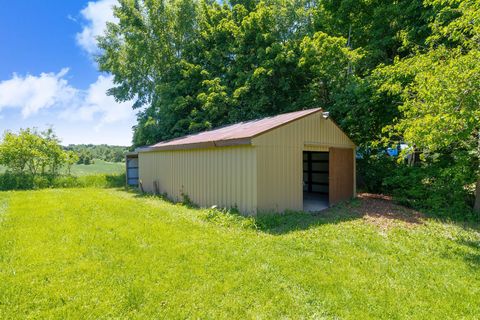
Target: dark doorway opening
{"x":315,"y":180}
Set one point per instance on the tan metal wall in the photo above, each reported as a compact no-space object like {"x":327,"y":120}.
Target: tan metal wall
{"x":280,"y":162}
{"x":341,"y":178}
{"x":217,"y":176}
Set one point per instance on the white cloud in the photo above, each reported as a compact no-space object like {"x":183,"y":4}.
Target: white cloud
{"x":33,"y":93}
{"x":96,"y":14}
{"x":71,"y":18}
{"x":95,"y":102}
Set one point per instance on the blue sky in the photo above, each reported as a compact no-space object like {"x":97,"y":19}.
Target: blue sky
{"x":48,"y":76}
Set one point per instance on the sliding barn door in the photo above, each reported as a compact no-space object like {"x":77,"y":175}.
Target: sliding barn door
{"x":341,"y":174}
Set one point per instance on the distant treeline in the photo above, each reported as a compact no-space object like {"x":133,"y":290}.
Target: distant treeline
{"x":87,"y":152}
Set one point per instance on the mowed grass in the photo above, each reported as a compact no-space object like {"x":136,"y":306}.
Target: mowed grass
{"x":98,"y":167}
{"x":103,"y":253}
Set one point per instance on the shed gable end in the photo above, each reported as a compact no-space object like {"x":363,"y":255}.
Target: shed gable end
{"x":312,"y":130}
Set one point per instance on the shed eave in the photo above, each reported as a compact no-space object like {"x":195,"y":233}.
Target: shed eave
{"x":131,"y":154}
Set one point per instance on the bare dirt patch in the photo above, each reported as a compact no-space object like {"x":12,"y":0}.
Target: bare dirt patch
{"x":381,"y":211}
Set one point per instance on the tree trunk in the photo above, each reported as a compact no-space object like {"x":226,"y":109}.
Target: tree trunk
{"x":476,"y":207}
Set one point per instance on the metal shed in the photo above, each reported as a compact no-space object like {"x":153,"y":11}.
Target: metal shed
{"x":294,"y":161}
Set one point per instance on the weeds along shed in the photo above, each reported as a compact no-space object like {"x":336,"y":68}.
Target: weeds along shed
{"x":293,"y":161}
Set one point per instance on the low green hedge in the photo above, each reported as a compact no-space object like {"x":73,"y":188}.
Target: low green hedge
{"x":20,"y":181}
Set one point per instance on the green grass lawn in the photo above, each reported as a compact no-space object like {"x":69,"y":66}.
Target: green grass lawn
{"x":103,"y":253}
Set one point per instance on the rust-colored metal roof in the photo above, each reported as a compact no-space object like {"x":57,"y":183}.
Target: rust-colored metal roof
{"x":235,"y":134}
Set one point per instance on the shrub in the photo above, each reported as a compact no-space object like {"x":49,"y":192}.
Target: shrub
{"x":42,"y":181}
{"x":16,"y":181}
{"x":441,"y":191}
{"x":373,"y":170}
{"x":441,"y":185}
{"x":65,"y":182}
{"x":187,"y":201}
{"x":21,"y":181}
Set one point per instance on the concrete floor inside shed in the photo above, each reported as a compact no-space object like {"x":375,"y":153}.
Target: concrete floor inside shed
{"x":313,"y":202}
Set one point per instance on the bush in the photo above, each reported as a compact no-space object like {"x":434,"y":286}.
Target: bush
{"x":441,"y":185}
{"x":65,"y":182}
{"x":441,"y":191}
{"x":16,"y":181}
{"x":20,"y":181}
{"x":102,"y":180}
{"x":42,"y":182}
{"x":373,"y":170}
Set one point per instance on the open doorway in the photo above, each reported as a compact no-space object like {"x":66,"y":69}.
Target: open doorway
{"x":315,"y":180}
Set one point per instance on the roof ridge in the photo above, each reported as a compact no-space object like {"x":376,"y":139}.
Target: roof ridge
{"x":239,"y":133}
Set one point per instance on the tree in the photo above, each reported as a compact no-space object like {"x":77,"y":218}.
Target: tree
{"x":32,"y":152}
{"x":441,"y":109}
{"x":440,"y":90}
{"x":198,"y":64}
{"x":87,"y":160}
{"x":71,"y":159}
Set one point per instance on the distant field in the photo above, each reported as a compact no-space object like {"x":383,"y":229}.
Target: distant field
{"x":98,"y":167}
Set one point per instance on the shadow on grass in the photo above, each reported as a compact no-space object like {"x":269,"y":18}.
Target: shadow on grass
{"x":470,"y":251}
{"x":115,"y":180}
{"x":268,"y":222}
{"x":291,"y":221}
{"x":374,"y":209}
{"x":165,"y":197}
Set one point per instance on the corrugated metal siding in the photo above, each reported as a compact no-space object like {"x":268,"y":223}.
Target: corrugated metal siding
{"x":280,"y":162}
{"x":217,"y":176}
{"x":341,"y":168}
{"x":279,"y":180}
{"x":312,"y":130}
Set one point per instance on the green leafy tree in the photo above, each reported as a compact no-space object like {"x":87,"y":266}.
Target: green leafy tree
{"x":440,"y":90}
{"x":87,"y":160}
{"x":198,"y":64}
{"x":71,"y":158}
{"x":441,"y":110}
{"x":384,"y":29}
{"x":32,"y":152}
{"x":103,"y":152}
